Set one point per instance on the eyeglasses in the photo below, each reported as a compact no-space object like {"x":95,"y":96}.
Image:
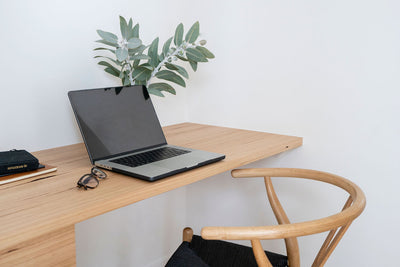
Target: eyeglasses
{"x":91,"y":180}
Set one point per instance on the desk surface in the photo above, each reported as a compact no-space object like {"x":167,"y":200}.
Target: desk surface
{"x":41,"y":205}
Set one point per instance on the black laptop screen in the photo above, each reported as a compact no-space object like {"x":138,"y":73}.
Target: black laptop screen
{"x":116,"y":120}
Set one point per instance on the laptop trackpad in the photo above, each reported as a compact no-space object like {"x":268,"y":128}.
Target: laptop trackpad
{"x":150,"y":170}
{"x":179,"y":162}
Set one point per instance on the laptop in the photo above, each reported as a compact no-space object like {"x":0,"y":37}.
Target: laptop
{"x":122,"y":133}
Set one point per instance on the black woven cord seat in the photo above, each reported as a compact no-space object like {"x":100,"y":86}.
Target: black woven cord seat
{"x":216,"y":253}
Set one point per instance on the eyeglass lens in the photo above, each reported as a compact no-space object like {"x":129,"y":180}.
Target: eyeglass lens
{"x":91,"y":180}
{"x":99,"y":173}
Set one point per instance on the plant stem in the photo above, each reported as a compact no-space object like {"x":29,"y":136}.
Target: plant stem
{"x":130,"y":73}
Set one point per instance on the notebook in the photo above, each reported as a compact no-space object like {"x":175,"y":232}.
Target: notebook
{"x":122,"y":133}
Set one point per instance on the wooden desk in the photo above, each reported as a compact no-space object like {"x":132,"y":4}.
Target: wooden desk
{"x":38,"y":215}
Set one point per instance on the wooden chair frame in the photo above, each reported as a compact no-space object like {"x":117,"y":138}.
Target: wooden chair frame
{"x":337,"y":224}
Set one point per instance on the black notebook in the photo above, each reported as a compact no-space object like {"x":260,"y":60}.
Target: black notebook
{"x":16,"y":161}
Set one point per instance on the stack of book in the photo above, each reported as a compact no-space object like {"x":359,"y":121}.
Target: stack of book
{"x":16,"y":165}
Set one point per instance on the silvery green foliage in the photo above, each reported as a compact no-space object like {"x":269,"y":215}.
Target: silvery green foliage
{"x":131,"y":62}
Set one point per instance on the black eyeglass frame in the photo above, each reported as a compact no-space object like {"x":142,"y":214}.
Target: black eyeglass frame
{"x":95,"y":174}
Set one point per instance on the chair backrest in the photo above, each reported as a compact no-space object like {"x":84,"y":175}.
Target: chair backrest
{"x":336,"y":224}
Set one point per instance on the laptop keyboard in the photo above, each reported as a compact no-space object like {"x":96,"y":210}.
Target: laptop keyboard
{"x":150,"y":156}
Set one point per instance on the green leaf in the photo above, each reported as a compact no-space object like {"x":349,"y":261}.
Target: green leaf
{"x":135,"y":31}
{"x":182,"y":58}
{"x":141,"y":74}
{"x":205,"y":52}
{"x":147,"y":66}
{"x":178,"y":68}
{"x":112,"y":71}
{"x":105,"y":63}
{"x":195,"y":55}
{"x":121,"y":73}
{"x":171,"y":76}
{"x":122,"y":54}
{"x":155,"y":92}
{"x":162,"y":87}
{"x":126,"y":79}
{"x":153,"y":53}
{"x":132,"y":32}
{"x":178,"y":35}
{"x":171,"y":66}
{"x":102,"y":48}
{"x":124,"y":27}
{"x":108,"y":36}
{"x":130,"y":24}
{"x":140,"y":82}
{"x":139,"y":50}
{"x":193,"y":33}
{"x":111,"y":59}
{"x":107,"y":43}
{"x":193,"y":65}
{"x":166,"y":46}
{"x":141,"y":56}
{"x":134,"y":43}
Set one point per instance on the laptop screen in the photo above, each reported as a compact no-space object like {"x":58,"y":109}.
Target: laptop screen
{"x":116,"y":120}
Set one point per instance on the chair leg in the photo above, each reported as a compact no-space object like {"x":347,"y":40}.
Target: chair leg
{"x":187,"y":234}
{"x":258,"y":251}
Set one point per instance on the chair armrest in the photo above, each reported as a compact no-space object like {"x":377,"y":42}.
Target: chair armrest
{"x":259,"y":232}
{"x":285,"y":230}
{"x":273,"y":231}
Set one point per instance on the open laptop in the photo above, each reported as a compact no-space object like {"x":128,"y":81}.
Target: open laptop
{"x":122,"y":133}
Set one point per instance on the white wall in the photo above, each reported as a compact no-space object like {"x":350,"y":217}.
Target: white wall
{"x":47,"y":49}
{"x":326,"y":71}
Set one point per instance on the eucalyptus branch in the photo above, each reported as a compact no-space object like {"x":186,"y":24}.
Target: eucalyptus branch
{"x":180,"y":50}
{"x":129,"y":51}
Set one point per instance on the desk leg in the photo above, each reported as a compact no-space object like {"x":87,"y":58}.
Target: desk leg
{"x":54,"y":249}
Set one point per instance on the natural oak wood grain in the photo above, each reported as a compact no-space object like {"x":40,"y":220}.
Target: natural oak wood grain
{"x":36,"y":207}
{"x":337,"y":224}
{"x":54,"y":249}
{"x":292,"y":246}
{"x":328,"y":246}
{"x":261,"y":259}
